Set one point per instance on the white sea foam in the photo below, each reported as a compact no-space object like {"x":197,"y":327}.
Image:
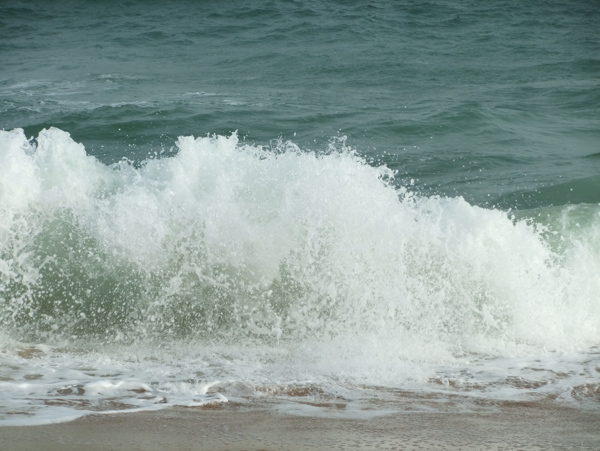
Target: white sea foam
{"x":275,"y":267}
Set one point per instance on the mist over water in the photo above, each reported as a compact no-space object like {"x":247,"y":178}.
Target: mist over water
{"x":410,"y":202}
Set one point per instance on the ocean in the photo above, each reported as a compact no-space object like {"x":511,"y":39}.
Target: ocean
{"x":339,"y":208}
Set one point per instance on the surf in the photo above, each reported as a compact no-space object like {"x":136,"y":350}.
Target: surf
{"x":277,"y":264}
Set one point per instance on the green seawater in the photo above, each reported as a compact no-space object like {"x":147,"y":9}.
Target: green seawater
{"x":299,"y":203}
{"x":498,"y":102}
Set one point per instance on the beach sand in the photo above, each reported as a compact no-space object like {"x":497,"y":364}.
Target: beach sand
{"x":236,"y":427}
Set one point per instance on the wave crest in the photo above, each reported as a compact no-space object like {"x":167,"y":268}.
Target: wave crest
{"x":228,"y":241}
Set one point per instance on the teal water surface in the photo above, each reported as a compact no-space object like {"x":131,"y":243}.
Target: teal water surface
{"x":496,"y":101}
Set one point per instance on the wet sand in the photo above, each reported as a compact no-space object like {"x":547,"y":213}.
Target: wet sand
{"x":234,"y":428}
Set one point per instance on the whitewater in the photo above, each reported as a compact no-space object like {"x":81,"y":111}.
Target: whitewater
{"x":226,"y":271}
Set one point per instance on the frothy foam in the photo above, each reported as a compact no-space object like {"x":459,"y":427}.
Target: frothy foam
{"x":310,"y":258}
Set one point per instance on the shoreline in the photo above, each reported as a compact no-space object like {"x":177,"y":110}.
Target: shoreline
{"x":233,"y":427}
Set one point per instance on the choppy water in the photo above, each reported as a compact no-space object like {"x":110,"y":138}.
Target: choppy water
{"x":299,"y":201}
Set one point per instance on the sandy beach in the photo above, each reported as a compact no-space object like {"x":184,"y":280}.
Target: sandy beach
{"x":234,"y":428}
